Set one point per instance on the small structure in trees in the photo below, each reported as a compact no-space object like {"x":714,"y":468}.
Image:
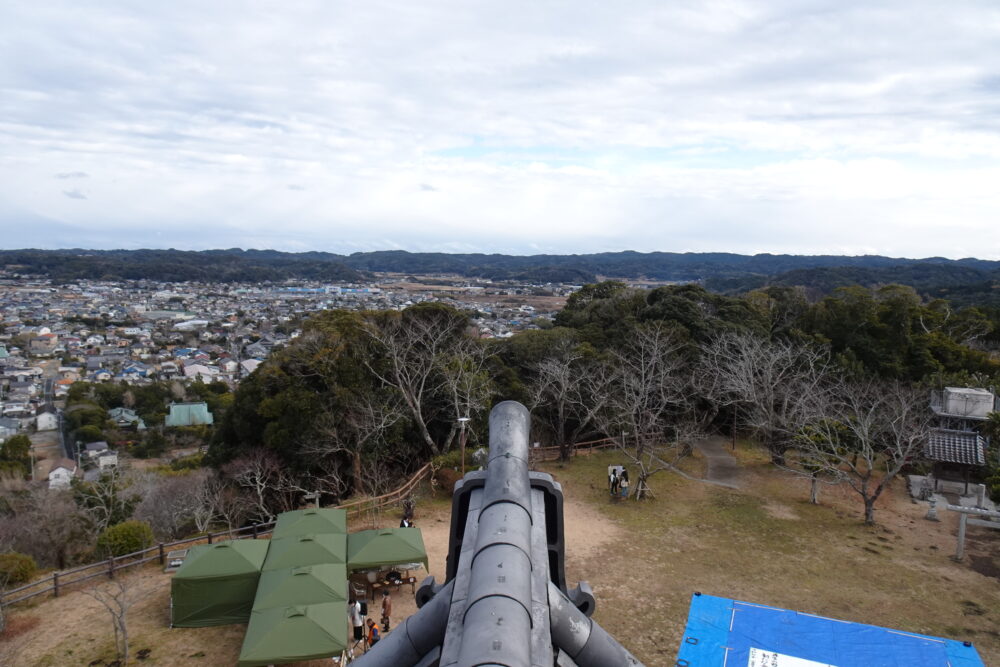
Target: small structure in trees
{"x":956,"y":442}
{"x":188,"y":414}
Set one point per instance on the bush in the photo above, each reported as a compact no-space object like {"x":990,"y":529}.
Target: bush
{"x":16,"y":568}
{"x":192,"y":462}
{"x":89,"y":433}
{"x":125,"y":538}
{"x":453,"y":460}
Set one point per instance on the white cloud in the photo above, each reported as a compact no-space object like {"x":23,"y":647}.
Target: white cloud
{"x":817,"y":126}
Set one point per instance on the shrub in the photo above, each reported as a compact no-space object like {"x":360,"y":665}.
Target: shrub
{"x":89,"y":433}
{"x":192,"y":462}
{"x":125,"y":538}
{"x":16,"y":568}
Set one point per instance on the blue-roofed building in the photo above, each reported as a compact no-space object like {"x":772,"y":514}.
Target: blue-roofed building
{"x":188,"y":414}
{"x":723,"y":632}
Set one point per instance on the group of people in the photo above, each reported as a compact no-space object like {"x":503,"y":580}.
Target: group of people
{"x":367,"y":632}
{"x":618,"y":482}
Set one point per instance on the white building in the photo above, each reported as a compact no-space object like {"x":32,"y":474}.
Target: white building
{"x":62,"y":474}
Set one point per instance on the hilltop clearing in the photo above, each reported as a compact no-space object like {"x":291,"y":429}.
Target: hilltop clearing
{"x":764,"y":543}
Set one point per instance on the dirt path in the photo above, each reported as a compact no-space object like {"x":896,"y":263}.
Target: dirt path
{"x":723,"y":468}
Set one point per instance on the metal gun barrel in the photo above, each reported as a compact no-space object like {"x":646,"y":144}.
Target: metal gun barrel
{"x":497,"y":622}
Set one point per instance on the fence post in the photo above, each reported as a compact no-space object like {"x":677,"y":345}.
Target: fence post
{"x":162,"y":559}
{"x":210,"y":538}
{"x":111,"y":568}
{"x":55,"y":584}
{"x":255,"y":531}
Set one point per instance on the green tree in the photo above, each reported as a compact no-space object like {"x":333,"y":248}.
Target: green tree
{"x":15,"y":455}
{"x":124,"y":538}
{"x":17,"y":568}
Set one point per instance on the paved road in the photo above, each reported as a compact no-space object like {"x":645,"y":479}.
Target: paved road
{"x":723,"y":468}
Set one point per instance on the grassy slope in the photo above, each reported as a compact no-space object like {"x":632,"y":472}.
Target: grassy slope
{"x":764,"y":544}
{"x":767,"y":544}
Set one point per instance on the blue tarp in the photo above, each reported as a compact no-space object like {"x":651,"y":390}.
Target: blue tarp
{"x":728,"y":633}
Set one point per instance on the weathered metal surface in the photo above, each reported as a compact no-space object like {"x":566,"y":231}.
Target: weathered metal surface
{"x":505,"y":603}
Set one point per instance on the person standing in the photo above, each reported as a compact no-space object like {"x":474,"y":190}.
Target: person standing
{"x":614,"y":482}
{"x":373,"y":635}
{"x":354,"y":613}
{"x":624,"y":483}
{"x":386,"y":609}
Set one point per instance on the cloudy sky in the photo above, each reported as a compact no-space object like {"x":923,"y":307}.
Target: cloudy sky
{"x":805,"y":126}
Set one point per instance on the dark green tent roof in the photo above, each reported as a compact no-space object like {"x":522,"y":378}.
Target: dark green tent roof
{"x":311,"y":584}
{"x":388,"y":546}
{"x":289,"y":634}
{"x":310,"y":521}
{"x":217,"y":583}
{"x":313,"y":549}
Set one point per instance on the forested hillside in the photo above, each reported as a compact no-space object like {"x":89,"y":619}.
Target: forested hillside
{"x":363,"y":396}
{"x":721,"y":271}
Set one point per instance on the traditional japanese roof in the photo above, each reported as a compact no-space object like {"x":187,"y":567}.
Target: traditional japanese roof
{"x":188,"y":414}
{"x":948,"y":446}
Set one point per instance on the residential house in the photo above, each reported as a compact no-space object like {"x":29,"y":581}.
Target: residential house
{"x":249,"y":366}
{"x":43,"y":345}
{"x":62,"y":473}
{"x":92,"y":450}
{"x":46,"y":418}
{"x":9,"y":427}
{"x":125,"y":418}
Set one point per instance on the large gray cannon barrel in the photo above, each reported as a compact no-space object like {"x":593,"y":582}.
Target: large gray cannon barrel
{"x":496,"y":629}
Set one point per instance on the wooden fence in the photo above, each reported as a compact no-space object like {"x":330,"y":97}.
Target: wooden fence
{"x":56,"y":582}
{"x":538,"y":454}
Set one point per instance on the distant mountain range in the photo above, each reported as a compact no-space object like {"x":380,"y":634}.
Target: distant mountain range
{"x":965,"y":280}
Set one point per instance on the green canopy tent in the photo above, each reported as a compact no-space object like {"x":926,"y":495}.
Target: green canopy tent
{"x":311,"y":584}
{"x":310,"y":521}
{"x":369,"y":549}
{"x":312,"y":549}
{"x":217,"y":583}
{"x":290,"y":634}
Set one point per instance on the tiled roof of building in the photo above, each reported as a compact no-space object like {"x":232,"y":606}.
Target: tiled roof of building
{"x":188,"y":414}
{"x":950,"y":446}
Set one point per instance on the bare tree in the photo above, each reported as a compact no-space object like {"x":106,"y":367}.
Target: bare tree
{"x":267,"y":484}
{"x":646,"y":402}
{"x":379,"y":480}
{"x":767,"y":380}
{"x":173,"y":505}
{"x":117,"y":597}
{"x":361,"y":422}
{"x":465,"y":380}
{"x":47,"y":525}
{"x":232,"y":505}
{"x":110,"y":498}
{"x":412,"y":346}
{"x":866,"y":433}
{"x":572,"y":391}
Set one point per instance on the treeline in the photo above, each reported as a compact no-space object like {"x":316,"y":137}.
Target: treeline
{"x":721,"y":271}
{"x":362,"y":397}
{"x":175,"y":265}
{"x":961,"y":284}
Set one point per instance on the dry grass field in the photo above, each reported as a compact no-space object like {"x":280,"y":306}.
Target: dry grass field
{"x":763,"y":544}
{"x":768,"y":544}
